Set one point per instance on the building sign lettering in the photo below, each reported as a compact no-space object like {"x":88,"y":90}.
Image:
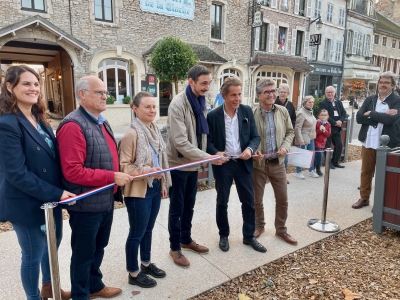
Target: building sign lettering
{"x":327,"y":70}
{"x":315,"y":39}
{"x":258,"y":19}
{"x":175,"y":8}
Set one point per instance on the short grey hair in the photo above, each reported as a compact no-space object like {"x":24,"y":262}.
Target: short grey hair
{"x":285,"y":87}
{"x":264,"y":82}
{"x":306,"y":99}
{"x":81,"y":85}
{"x":390,"y":75}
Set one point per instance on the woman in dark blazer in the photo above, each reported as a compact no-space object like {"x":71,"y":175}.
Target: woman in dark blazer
{"x":29,"y":175}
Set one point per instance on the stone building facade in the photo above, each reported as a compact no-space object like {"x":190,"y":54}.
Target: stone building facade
{"x":386,"y":54}
{"x":76,"y":38}
{"x":360,"y":75}
{"x":327,"y":57}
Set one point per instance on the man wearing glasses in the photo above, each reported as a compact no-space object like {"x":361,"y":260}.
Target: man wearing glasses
{"x":378,"y":115}
{"x":337,"y":114}
{"x":89,"y":159}
{"x":276,"y":131}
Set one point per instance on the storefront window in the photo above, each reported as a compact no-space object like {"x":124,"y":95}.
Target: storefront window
{"x":228,"y":73}
{"x":277,"y":76}
{"x":115,"y":75}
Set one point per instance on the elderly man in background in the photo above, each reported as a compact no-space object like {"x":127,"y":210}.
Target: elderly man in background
{"x":379,"y":114}
{"x":89,"y":159}
{"x":276,"y":131}
{"x":337,"y":114}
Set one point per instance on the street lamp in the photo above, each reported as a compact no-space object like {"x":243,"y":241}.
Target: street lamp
{"x":319,"y":22}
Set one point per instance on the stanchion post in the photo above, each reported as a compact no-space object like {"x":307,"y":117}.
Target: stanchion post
{"x":52,"y":248}
{"x":322,"y":224}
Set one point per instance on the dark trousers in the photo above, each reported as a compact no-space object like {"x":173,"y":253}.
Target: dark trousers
{"x":182,"y":197}
{"x":318,"y":157}
{"x":336,"y":140}
{"x":224,"y":176}
{"x":142,"y":213}
{"x":89,"y":237}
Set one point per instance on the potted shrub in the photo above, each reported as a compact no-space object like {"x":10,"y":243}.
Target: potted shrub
{"x":126,"y":100}
{"x":110,"y":99}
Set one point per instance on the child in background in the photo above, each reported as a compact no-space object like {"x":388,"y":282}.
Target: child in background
{"x":323,"y":130}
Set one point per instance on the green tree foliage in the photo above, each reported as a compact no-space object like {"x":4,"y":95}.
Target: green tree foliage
{"x":172,"y":59}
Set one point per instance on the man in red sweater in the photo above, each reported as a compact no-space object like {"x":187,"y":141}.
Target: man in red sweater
{"x":89,"y":159}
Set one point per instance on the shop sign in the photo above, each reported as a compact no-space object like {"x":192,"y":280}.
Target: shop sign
{"x":175,"y":8}
{"x":327,"y":70}
{"x":149,"y":84}
{"x":258,"y":19}
{"x":315,"y":39}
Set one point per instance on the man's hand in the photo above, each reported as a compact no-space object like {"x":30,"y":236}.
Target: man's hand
{"x":258,"y":156}
{"x":122,"y":178}
{"x":338,"y":123}
{"x":246,"y":154}
{"x":301,"y":144}
{"x":391,"y":112}
{"x":282,"y":152}
{"x":220,"y":161}
{"x":156,"y":176}
{"x":66,"y":195}
{"x":367,"y":113}
{"x":164,"y":193}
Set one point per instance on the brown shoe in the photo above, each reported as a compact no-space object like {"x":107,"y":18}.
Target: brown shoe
{"x":179,"y":259}
{"x":259,"y":230}
{"x":47,"y":292}
{"x":360,"y":203}
{"x":107,"y":292}
{"x":286,"y":237}
{"x":193,"y":246}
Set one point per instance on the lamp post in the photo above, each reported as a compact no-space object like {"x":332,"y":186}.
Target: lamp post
{"x":319,"y":22}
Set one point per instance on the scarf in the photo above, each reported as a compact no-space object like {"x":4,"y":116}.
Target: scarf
{"x":198,"y":104}
{"x":150,"y":136}
{"x":309,"y":109}
{"x":322,"y":122}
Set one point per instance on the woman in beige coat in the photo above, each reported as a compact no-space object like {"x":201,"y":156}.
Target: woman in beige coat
{"x":142,"y":150}
{"x":305,"y":134}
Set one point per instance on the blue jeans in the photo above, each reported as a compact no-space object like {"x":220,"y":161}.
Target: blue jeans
{"x":286,"y":161}
{"x":142,"y":214}
{"x":33,"y":243}
{"x":318,"y":157}
{"x":309,"y":146}
{"x":182,"y":197}
{"x":89,"y":237}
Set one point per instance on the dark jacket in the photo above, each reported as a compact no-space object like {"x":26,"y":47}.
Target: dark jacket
{"x":98,"y":156}
{"x":29,"y":173}
{"x":391,"y":124}
{"x":248,"y":135}
{"x":327,"y":104}
{"x":290,"y":108}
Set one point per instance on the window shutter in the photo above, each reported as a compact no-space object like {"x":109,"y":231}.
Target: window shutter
{"x":309,"y":8}
{"x":296,"y":6}
{"x":314,"y":53}
{"x":256,"y":38}
{"x":294,"y":37}
{"x":274,"y":3}
{"x":325,"y":50}
{"x":348,"y":41}
{"x":338,"y":51}
{"x":366,"y":46}
{"x":371,"y":47}
{"x":360,"y":43}
{"x":271,"y":38}
{"x":355,"y":40}
{"x":306,"y":43}
{"x":332,"y":51}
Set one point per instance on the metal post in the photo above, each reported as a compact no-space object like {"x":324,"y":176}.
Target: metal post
{"x":210,"y":178}
{"x":350,"y":137}
{"x":52,"y":248}
{"x":322,"y":224}
{"x":346,"y":140}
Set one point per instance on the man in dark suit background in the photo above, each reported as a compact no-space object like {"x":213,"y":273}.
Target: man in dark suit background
{"x":337,"y":114}
{"x":232,"y":133}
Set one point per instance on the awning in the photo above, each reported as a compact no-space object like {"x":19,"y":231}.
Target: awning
{"x":203,"y":53}
{"x":296,"y":63}
{"x":39,"y":21}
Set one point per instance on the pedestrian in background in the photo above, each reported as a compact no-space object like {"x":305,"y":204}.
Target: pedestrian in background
{"x":142,"y":150}
{"x":30,"y":176}
{"x":323,"y":131}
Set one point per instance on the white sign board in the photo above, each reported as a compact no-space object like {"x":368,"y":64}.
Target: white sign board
{"x":175,"y":8}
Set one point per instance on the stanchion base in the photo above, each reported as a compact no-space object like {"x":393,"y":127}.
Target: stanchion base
{"x":323,"y":226}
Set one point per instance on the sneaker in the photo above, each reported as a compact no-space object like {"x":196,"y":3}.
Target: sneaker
{"x":142,"y":280}
{"x":300,"y":176}
{"x":179,"y":259}
{"x":312,"y":174}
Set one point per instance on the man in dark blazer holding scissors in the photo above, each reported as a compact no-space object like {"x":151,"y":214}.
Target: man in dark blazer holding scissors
{"x":233,"y":134}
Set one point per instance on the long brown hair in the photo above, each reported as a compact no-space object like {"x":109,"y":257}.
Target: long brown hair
{"x":8,"y":101}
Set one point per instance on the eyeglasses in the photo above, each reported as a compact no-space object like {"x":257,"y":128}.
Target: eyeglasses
{"x":150,"y":107}
{"x":101,"y":93}
{"x":384,"y":82}
{"x":267,"y":92}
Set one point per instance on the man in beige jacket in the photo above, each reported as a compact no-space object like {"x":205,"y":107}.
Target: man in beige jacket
{"x":187,"y":141}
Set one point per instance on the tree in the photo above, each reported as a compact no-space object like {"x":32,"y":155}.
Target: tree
{"x":172,"y":59}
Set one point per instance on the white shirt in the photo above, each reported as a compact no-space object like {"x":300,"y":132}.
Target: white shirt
{"x":374,"y":134}
{"x":232,"y":143}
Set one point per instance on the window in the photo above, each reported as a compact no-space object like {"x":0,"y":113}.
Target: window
{"x":284,"y":5}
{"x":263,"y":37}
{"x":264,"y":2}
{"x":370,"y":10}
{"x":114,"y":74}
{"x":282,"y":40}
{"x":228,"y":73}
{"x":352,"y":4}
{"x":384,"y":41}
{"x":341,"y":17}
{"x":299,"y":7}
{"x":317,"y":8}
{"x":103,"y":10}
{"x":314,"y":52}
{"x":338,"y":53}
{"x":299,"y":42}
{"x":367,"y":46}
{"x":376,"y":39}
{"x":277,"y":76}
{"x":357,"y":43}
{"x":216,"y":21}
{"x":329,"y":14}
{"x":349,"y":40}
{"x":328,"y":50}
{"x":393,"y":43}
{"x":35,"y":5}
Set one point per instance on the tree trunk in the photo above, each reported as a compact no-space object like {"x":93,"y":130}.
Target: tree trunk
{"x":176,"y":84}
